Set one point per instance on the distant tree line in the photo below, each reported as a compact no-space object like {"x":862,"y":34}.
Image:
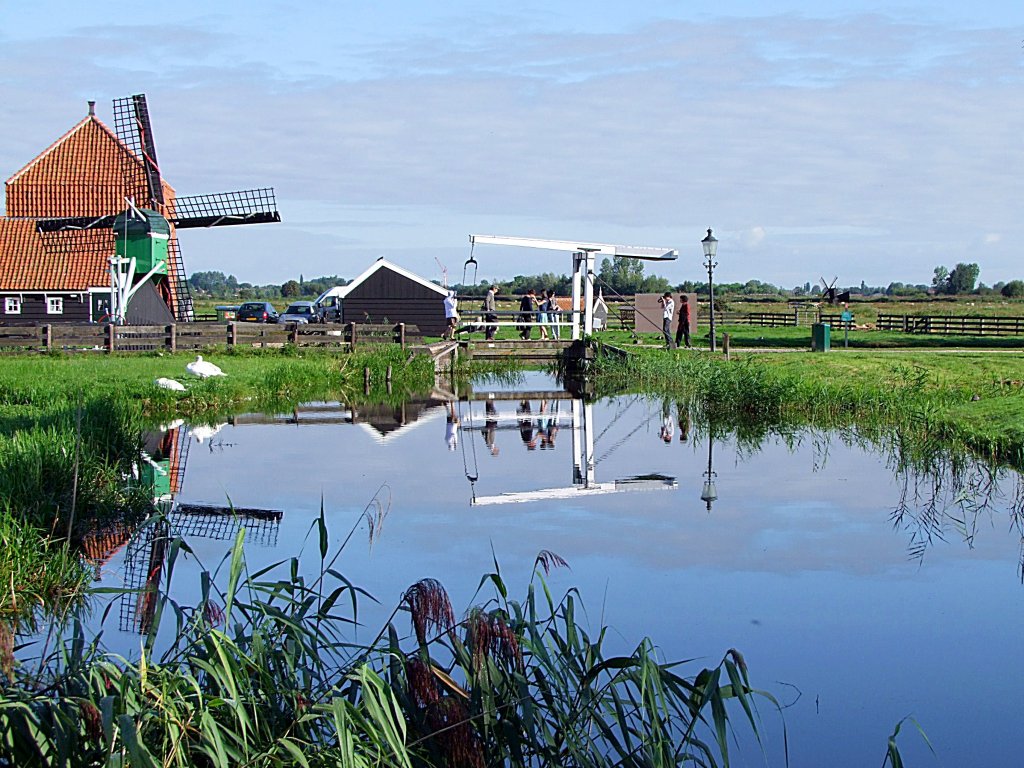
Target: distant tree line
{"x":626,"y":277}
{"x":217,"y":285}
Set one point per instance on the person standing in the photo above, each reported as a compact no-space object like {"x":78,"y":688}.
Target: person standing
{"x":451,"y":431}
{"x":490,"y":313}
{"x":491,"y":428}
{"x":668,"y":310}
{"x":683,"y":329}
{"x":553,"y":314}
{"x":527,"y":310}
{"x":542,"y":314}
{"x":451,"y":315}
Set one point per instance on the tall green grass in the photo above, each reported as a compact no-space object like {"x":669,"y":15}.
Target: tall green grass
{"x":50,"y":573}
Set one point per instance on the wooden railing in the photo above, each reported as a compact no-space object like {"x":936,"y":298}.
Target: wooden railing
{"x":973,"y":325}
{"x":621,"y":315}
{"x":67,"y":337}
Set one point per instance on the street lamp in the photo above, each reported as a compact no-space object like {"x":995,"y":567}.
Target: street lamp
{"x":710,"y":493}
{"x":710,"y":244}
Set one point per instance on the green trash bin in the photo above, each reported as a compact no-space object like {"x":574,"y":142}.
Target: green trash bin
{"x":821,"y":337}
{"x":225,"y":313}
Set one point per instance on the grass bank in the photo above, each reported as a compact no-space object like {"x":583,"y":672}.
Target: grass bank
{"x":968,"y":400}
{"x":758,"y":337}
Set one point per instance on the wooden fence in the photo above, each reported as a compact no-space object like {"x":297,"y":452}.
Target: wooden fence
{"x":621,"y":316}
{"x":974,"y":325}
{"x":68,"y":337}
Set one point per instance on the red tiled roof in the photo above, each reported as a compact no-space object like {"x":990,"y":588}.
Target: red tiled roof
{"x":74,"y":264}
{"x":86,"y":172}
{"x":101,"y":544}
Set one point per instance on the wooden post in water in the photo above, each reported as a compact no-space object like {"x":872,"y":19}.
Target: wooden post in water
{"x":725,"y":345}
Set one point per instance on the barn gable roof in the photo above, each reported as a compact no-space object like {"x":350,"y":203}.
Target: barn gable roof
{"x":383,"y":263}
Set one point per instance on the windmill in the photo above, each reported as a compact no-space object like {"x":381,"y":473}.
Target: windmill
{"x":145,"y":189}
{"x":829,"y":294}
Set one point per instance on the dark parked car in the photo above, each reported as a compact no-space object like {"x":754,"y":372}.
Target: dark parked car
{"x":256,"y":312}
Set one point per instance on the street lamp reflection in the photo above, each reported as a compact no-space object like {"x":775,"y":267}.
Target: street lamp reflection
{"x":710,"y":492}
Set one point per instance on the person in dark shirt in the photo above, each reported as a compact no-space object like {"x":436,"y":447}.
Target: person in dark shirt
{"x":683,"y":329}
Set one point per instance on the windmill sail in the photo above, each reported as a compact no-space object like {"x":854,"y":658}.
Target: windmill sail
{"x":132,"y":126}
{"x":248,"y":206}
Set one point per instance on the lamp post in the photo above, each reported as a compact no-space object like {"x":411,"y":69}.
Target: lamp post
{"x":710,"y":244}
{"x":710,"y":493}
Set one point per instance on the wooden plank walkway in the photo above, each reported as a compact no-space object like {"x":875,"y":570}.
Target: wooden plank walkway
{"x":519,"y":349}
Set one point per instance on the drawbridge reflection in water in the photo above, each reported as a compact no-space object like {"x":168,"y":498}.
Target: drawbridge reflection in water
{"x":539,"y":417}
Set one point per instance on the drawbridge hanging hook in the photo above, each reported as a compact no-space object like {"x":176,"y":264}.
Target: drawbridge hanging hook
{"x":469,"y":261}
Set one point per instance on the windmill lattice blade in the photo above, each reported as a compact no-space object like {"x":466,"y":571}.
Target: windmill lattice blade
{"x":181,"y":294}
{"x":248,"y":206}
{"x":132,"y":126}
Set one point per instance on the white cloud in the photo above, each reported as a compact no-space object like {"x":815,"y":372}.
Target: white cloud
{"x":884,"y":144}
{"x":754,"y":236}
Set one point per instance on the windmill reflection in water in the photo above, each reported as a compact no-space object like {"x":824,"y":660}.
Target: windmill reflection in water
{"x":161,"y":470}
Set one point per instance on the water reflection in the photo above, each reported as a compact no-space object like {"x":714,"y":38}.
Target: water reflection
{"x":539,"y":420}
{"x":145,"y":542}
{"x":802,"y":562}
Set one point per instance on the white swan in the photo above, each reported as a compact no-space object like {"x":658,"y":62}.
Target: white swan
{"x":203,"y":432}
{"x":203,"y":368}
{"x":171,"y":384}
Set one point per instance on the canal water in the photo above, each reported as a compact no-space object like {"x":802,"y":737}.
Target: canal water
{"x":859,"y":593}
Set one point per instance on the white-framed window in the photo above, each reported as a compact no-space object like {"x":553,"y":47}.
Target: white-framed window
{"x":55,"y":305}
{"x":12,"y":305}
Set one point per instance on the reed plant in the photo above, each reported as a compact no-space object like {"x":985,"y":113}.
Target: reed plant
{"x":74,"y":463}
{"x":263,"y":671}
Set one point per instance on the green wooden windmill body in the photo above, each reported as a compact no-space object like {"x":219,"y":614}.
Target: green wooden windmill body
{"x":143,"y":234}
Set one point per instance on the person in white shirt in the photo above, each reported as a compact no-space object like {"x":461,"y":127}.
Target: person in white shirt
{"x":451,"y":315}
{"x":668,"y":311}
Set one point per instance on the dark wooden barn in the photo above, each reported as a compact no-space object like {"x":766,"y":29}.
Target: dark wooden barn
{"x":386,"y":293}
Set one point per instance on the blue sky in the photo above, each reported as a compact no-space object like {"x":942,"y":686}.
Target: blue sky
{"x":872,"y":141}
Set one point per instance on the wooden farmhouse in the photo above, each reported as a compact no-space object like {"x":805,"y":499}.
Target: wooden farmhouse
{"x":386,"y":293}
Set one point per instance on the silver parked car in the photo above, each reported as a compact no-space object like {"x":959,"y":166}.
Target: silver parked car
{"x":300,"y":312}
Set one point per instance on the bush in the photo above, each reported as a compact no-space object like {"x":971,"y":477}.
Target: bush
{"x":1014,"y":289}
